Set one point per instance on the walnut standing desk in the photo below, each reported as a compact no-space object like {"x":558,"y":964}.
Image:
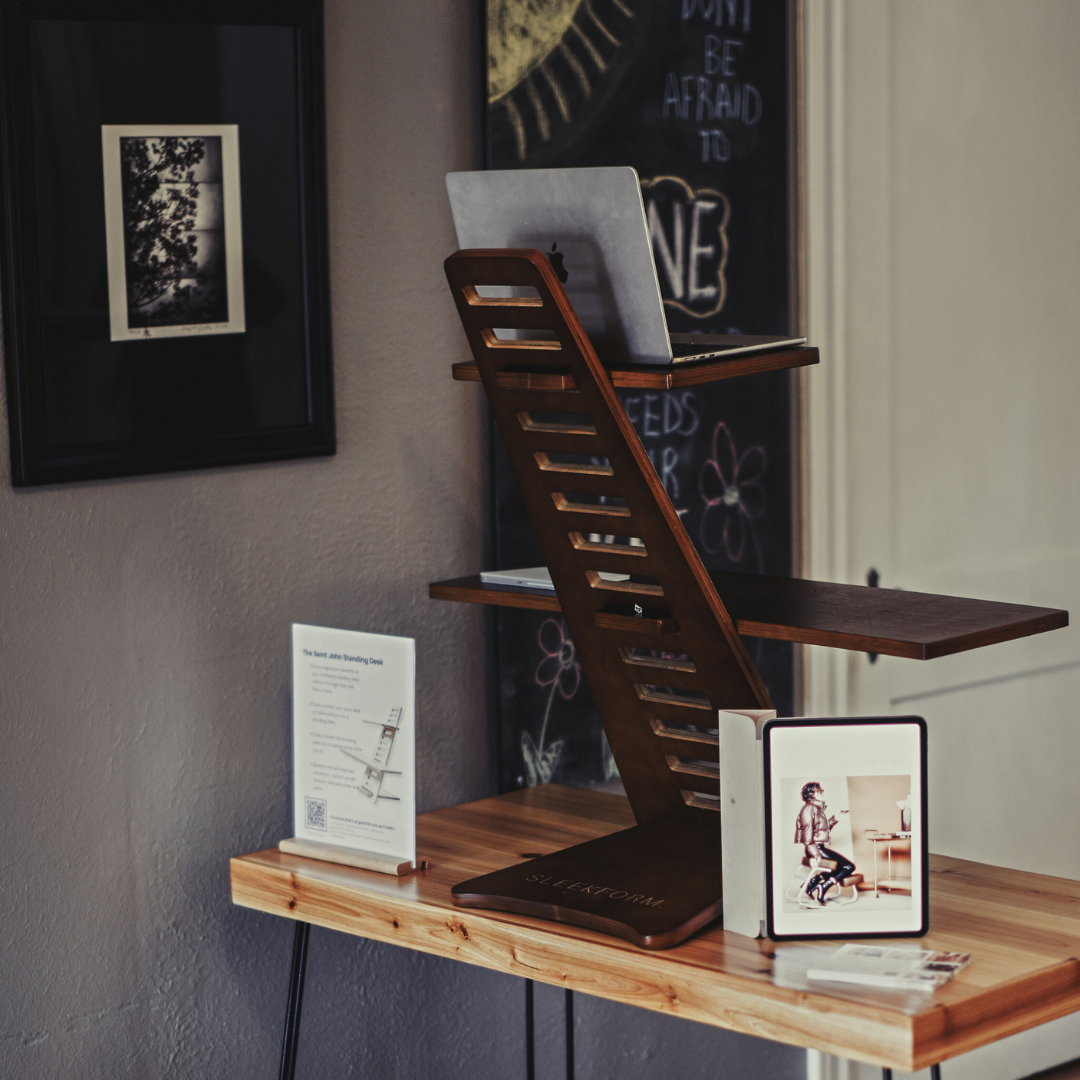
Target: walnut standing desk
{"x":1023,"y":931}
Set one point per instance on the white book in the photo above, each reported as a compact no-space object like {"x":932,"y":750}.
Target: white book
{"x":742,"y":819}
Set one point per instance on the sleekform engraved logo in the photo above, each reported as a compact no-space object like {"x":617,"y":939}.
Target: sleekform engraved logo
{"x":570,"y":885}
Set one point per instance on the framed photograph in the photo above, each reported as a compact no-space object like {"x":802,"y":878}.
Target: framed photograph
{"x":173,"y":234}
{"x":163,"y":230}
{"x":845,"y":828}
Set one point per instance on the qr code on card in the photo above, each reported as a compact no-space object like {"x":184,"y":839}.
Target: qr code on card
{"x":315,"y":813}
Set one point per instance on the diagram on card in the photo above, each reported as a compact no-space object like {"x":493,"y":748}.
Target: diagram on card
{"x":378,"y":768}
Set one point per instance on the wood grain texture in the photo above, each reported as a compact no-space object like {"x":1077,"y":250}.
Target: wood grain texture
{"x":690,"y":373}
{"x":919,"y":626}
{"x":1023,"y":931}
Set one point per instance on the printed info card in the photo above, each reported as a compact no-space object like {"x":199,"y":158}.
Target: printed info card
{"x":354,"y":740}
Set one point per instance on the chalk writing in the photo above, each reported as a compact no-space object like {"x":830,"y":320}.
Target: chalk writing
{"x":689,"y":234}
{"x":698,"y":95}
{"x":720,"y":12}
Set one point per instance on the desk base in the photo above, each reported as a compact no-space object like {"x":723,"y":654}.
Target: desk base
{"x":653,"y":884}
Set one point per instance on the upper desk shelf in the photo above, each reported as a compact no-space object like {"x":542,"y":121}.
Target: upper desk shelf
{"x":919,"y":626}
{"x":675,"y":377}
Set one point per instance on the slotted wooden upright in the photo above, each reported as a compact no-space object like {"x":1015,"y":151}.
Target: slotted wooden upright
{"x":658,"y":648}
{"x":583,"y":472}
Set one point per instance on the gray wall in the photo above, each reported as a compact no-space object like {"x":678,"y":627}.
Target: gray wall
{"x":144,"y":672}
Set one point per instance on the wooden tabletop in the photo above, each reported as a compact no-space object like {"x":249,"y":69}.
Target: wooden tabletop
{"x":919,"y":626}
{"x":1023,"y":931}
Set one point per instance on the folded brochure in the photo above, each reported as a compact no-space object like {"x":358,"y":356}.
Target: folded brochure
{"x":893,"y":969}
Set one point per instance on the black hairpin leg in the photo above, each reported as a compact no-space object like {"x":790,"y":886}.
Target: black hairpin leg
{"x":569,"y":1035}
{"x":530,"y":1057}
{"x":886,"y":1074}
{"x":935,"y":1072}
{"x":296,"y":995}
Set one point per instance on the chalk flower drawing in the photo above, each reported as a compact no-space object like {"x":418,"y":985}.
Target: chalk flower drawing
{"x":734,"y":499}
{"x":560,"y":670}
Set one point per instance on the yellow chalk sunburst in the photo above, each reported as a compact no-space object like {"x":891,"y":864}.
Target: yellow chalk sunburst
{"x":535,"y":45}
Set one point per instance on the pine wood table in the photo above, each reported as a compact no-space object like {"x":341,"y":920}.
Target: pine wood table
{"x":1023,"y":931}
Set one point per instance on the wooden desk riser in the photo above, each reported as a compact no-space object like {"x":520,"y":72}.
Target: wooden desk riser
{"x":660,"y":647}
{"x":1023,"y":931}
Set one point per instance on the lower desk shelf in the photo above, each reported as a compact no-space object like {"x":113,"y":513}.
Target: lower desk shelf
{"x":1023,"y":931}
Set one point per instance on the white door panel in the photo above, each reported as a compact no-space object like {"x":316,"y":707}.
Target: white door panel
{"x":943,"y":251}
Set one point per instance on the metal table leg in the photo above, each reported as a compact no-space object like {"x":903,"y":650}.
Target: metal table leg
{"x":530,"y":1054}
{"x":569,"y":1035}
{"x":296,"y":995}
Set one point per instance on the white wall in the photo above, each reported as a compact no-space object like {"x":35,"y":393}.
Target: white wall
{"x":144,"y":679}
{"x":144,"y":709}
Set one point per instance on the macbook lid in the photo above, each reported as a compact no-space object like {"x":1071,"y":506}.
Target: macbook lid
{"x":591,"y":224}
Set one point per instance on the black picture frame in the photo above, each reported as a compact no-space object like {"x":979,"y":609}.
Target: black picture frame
{"x":197,"y":392}
{"x":874,"y":758}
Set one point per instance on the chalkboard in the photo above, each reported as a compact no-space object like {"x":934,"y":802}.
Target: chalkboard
{"x":698,"y":96}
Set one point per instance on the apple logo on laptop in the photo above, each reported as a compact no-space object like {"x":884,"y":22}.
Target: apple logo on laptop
{"x":556,"y":260}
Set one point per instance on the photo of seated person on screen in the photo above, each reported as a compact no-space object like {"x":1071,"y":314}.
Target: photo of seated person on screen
{"x":813,"y":829}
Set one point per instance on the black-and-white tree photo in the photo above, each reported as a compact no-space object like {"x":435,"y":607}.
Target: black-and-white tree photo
{"x":171,"y":233}
{"x":174,"y":231}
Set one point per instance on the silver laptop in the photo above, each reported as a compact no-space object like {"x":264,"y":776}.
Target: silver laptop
{"x":591,"y":223}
